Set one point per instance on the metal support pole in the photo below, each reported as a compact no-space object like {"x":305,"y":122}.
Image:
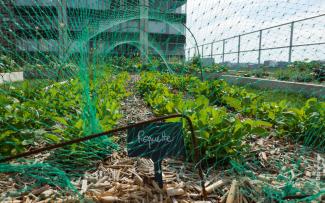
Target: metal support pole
{"x":62,"y":27}
{"x":167,"y":51}
{"x":144,"y":23}
{"x":188,"y":54}
{"x":202,"y":51}
{"x":223,"y":50}
{"x":211,"y":50}
{"x":238,"y":56}
{"x":260,"y":48}
{"x":291,"y":42}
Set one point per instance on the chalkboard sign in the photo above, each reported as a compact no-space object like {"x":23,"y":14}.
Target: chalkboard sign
{"x":156,"y":141}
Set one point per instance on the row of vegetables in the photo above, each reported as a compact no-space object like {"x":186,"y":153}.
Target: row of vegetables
{"x":33,"y":114}
{"x":225,"y":116}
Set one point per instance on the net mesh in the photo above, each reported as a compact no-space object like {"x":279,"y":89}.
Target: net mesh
{"x":248,"y":74}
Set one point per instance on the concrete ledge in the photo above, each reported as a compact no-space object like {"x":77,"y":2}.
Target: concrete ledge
{"x":11,"y":77}
{"x":285,"y":86}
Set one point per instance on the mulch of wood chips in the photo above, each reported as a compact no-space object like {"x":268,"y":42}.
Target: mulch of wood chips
{"x":123,"y":179}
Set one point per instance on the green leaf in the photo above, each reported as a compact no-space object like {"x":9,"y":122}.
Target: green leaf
{"x":205,"y":134}
{"x":27,"y":142}
{"x":310,"y":102}
{"x":202,"y":101}
{"x":79,"y":124}
{"x":259,"y":131}
{"x":172,"y":120}
{"x":271,"y":115}
{"x":6,"y":134}
{"x":233,"y":102}
{"x":170,"y":107}
{"x":258,"y":123}
{"x":61,"y":120}
{"x":238,"y":126}
{"x":52,"y":137}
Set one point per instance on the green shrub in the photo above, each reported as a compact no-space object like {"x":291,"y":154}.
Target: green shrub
{"x":261,"y":73}
{"x":7,"y":64}
{"x":282,"y":74}
{"x":304,"y":76}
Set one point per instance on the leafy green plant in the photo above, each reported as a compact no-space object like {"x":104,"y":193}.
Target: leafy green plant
{"x":34,"y":115}
{"x":302,"y":71}
{"x":220,"y":133}
{"x":287,"y":120}
{"x":304,"y":76}
{"x":304,"y":65}
{"x":282,"y":74}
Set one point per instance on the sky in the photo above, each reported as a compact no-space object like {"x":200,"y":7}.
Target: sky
{"x":213,"y":20}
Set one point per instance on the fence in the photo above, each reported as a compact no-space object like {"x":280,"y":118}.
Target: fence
{"x":291,"y":39}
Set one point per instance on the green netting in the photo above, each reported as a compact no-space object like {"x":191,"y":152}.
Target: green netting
{"x":249,"y":75}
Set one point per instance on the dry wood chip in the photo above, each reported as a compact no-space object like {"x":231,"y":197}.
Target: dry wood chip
{"x":48,"y":200}
{"x":26,"y":199}
{"x":260,"y":142}
{"x":202,"y":202}
{"x":116,"y":175}
{"x":245,"y":200}
{"x":308,"y":174}
{"x":47,"y":193}
{"x":139,"y":193}
{"x":135,"y":196}
{"x":101,"y":185}
{"x":196,"y":187}
{"x":119,"y":166}
{"x":147,"y":190}
{"x":155,"y":185}
{"x":95,"y":191}
{"x":263,"y":177}
{"x":40,"y":190}
{"x":83,"y":186}
{"x":264,"y":157}
{"x":110,"y":191}
{"x":137,"y":179}
{"x":174,"y":200}
{"x":175,"y":191}
{"x":193,"y":195}
{"x":102,"y":180}
{"x":13,"y":201}
{"x":92,"y":179}
{"x":108,"y":199}
{"x":215,"y":186}
{"x":232,"y":192}
{"x":224,"y":197}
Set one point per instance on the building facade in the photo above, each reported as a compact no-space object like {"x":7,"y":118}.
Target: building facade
{"x":104,"y":27}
